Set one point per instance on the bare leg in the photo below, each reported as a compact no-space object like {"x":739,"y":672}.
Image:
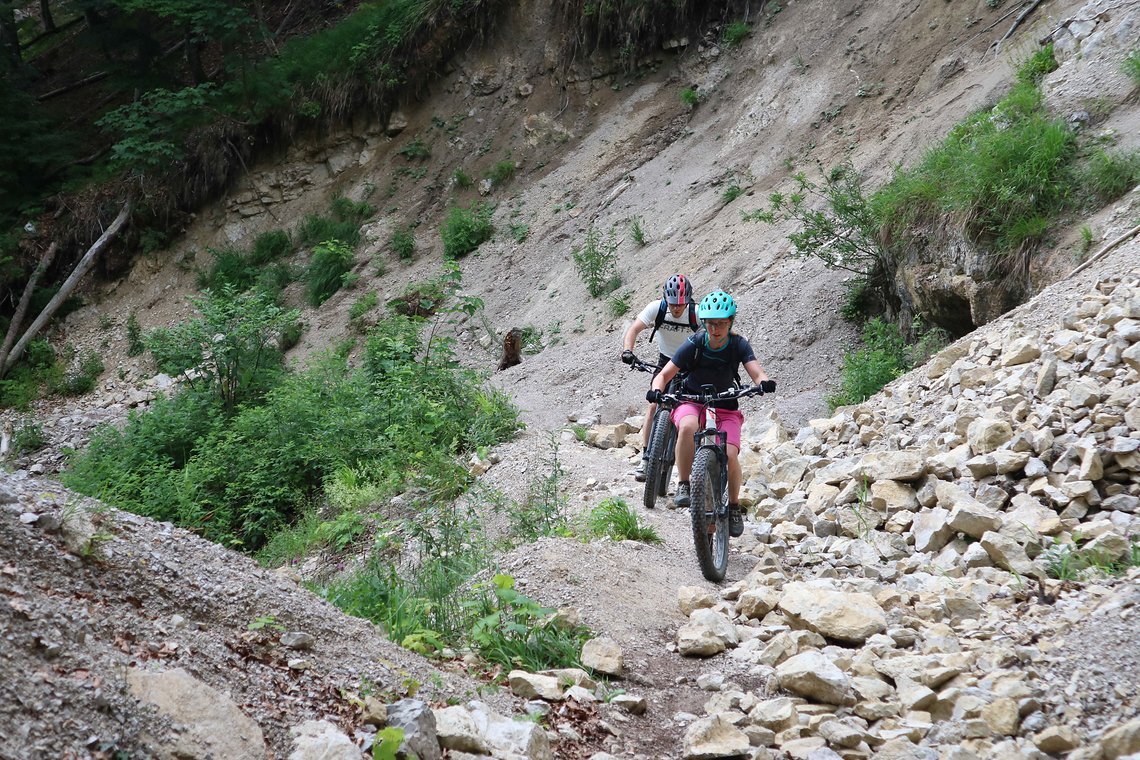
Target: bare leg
{"x":734,"y":474}
{"x":647,"y":426}
{"x":685,"y":446}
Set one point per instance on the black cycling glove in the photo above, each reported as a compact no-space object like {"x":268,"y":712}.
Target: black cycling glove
{"x":627,"y":356}
{"x":653,"y":395}
{"x":768,"y":386}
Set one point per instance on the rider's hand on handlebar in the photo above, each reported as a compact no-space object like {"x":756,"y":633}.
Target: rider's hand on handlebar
{"x":627,"y":356}
{"x":767,"y":386}
{"x":653,"y":395}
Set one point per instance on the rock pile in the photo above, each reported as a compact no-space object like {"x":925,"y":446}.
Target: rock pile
{"x":914,"y":552}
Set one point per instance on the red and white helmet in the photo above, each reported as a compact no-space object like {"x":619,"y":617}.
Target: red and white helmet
{"x":678,"y":290}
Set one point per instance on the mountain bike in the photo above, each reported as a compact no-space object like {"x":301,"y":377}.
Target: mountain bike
{"x":708,"y":481}
{"x":658,"y":455}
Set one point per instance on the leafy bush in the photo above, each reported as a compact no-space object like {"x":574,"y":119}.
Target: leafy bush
{"x":731,"y":193}
{"x":135,"y":345}
{"x":331,"y":261}
{"x":343,"y":225}
{"x":37,"y":369}
{"x":270,"y":246}
{"x":619,"y":304}
{"x":27,"y":436}
{"x":544,"y":513}
{"x":866,"y":371}
{"x":520,"y":232}
{"x":231,"y":345}
{"x":689,"y":97}
{"x":1033,"y":70}
{"x":348,"y":210}
{"x":735,"y":33}
{"x":82,"y":377}
{"x":231,"y":268}
{"x":614,"y":518}
{"x":464,"y":230}
{"x":363,"y":305}
{"x":403,"y":244}
{"x":596,"y":262}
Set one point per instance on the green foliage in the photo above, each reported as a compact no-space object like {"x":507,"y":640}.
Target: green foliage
{"x":464,"y":230}
{"x":636,"y":230}
{"x":348,"y":210}
{"x":1131,"y":67}
{"x":462,"y":179}
{"x":690,"y":97}
{"x":735,"y":33}
{"x":150,"y":130}
{"x":403,"y":244}
{"x":387,"y":743}
{"x":866,"y":371}
{"x":37,"y":369}
{"x":596,"y":262}
{"x":331,"y":261}
{"x":27,"y":436}
{"x":614,"y":518}
{"x":230,"y":269}
{"x":1110,"y":175}
{"x":135,"y":345}
{"x":1033,"y":70}
{"x":516,"y":632}
{"x":619,"y":304}
{"x":1072,"y":562}
{"x":265,"y":622}
{"x":857,"y":300}
{"x":501,"y":172}
{"x":231,"y":345}
{"x":270,"y":246}
{"x":731,"y":193}
{"x":520,"y":232}
{"x":416,"y":150}
{"x":81,"y":377}
{"x":544,"y":513}
{"x":343,"y":225}
{"x":363,"y":305}
{"x":1086,"y":239}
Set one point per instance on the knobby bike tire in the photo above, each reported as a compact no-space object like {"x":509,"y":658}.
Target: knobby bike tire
{"x":655,"y":463}
{"x":710,"y":521}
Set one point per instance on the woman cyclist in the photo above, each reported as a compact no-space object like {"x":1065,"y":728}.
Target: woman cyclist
{"x":711,"y":357}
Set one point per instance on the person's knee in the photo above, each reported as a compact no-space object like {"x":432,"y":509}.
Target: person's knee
{"x":687,"y":424}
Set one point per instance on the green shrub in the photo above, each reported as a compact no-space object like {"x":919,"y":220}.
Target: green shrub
{"x":135,"y":345}
{"x":403,"y":244}
{"x":1111,"y":175}
{"x":619,"y":304}
{"x":544,"y":513}
{"x":347,"y":210}
{"x":735,"y":33}
{"x":462,"y":179}
{"x":231,"y":268}
{"x":1132,"y":66}
{"x":27,"y":436}
{"x":37,"y":369}
{"x":331,"y":261}
{"x":1033,"y":70}
{"x":689,"y":97}
{"x":270,"y":246}
{"x":866,"y":371}
{"x":636,"y":230}
{"x":500,"y":173}
{"x":614,"y":518}
{"x":317,"y":229}
{"x":520,"y":232}
{"x":416,"y":150}
{"x":81,"y":378}
{"x":596,"y":262}
{"x":731,"y":193}
{"x":464,"y":230}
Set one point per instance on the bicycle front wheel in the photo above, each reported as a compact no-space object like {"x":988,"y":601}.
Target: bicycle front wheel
{"x":656,"y":457}
{"x":710,"y":518}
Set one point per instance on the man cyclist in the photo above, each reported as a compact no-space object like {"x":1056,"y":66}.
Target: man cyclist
{"x":711,"y":357}
{"x":673,"y":319}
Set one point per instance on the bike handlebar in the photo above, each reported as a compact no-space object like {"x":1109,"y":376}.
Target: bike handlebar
{"x":637,"y":364}
{"x":704,"y":399}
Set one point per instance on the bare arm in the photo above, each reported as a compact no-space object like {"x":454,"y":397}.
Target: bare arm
{"x":665,"y":375}
{"x":630,"y":338}
{"x":755,"y":371}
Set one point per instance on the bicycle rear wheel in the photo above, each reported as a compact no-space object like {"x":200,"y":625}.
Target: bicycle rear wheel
{"x":656,"y":458}
{"x":709,"y":517}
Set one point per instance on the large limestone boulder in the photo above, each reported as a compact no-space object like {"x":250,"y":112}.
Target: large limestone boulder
{"x":604,"y":655}
{"x":813,"y":676}
{"x":846,"y":616}
{"x":707,"y":633}
{"x":535,"y":686}
{"x":987,"y":434}
{"x":891,"y":465}
{"x":456,"y":730}
{"x":713,"y":737}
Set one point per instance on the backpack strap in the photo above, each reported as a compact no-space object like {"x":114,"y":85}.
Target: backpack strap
{"x":660,"y":320}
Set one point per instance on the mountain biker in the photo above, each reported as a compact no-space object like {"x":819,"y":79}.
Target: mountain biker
{"x":671,"y":325}
{"x":711,"y":357}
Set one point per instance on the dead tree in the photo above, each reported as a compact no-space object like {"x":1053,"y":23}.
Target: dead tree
{"x":25,"y":301}
{"x":512,"y":348}
{"x":66,"y":289}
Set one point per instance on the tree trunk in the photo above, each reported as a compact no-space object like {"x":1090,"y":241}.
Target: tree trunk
{"x":45,"y":16}
{"x":9,"y":34}
{"x":68,"y":286}
{"x":25,"y":300}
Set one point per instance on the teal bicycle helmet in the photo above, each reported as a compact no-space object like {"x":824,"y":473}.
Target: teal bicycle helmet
{"x":717,"y":305}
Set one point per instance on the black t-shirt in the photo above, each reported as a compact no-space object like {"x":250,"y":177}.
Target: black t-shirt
{"x":718,"y":368}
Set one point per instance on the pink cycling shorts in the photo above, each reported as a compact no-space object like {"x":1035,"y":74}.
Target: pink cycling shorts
{"x":728,"y":420}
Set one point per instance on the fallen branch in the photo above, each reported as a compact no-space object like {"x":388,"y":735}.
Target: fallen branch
{"x":1100,"y":254}
{"x":98,"y":76}
{"x":25,"y":300}
{"x":1016,"y":23}
{"x":68,"y":286}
